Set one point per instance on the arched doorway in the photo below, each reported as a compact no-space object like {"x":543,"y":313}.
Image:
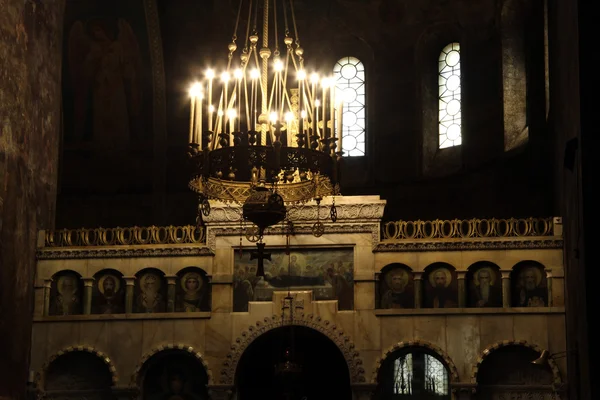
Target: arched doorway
{"x":508,"y":373}
{"x":173,"y":374}
{"x":77,"y":375}
{"x":324,"y":374}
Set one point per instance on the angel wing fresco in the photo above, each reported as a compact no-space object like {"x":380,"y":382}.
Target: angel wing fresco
{"x":105,"y":67}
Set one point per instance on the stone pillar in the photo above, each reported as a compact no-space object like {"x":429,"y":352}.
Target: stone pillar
{"x":418,"y":281}
{"x":461,"y":276}
{"x":506,"y":297}
{"x":47,"y":288}
{"x":129,"y":286}
{"x":87,"y":295}
{"x":363,"y":391}
{"x":549,"y":282}
{"x":171,"y":282}
{"x":30,"y":104}
{"x":220,"y":392}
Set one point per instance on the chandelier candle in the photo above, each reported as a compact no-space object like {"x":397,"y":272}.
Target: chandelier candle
{"x":259,"y":131}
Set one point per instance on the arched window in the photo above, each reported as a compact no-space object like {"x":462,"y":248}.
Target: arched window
{"x":414,"y":373}
{"x":450,"y":96}
{"x":349,"y":75}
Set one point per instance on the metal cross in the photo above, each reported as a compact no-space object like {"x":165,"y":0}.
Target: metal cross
{"x":261,"y":256}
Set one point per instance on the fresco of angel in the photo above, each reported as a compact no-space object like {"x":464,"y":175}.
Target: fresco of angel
{"x":105,"y":66}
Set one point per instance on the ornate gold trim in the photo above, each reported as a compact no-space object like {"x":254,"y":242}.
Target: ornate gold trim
{"x":470,"y":228}
{"x":474,"y":244}
{"x":132,"y":236}
{"x":75,"y":253}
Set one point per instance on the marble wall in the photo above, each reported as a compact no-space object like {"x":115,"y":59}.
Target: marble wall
{"x":461,"y":336}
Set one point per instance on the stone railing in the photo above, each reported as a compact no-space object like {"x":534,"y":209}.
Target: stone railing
{"x":471,"y":228}
{"x":133,"y":236}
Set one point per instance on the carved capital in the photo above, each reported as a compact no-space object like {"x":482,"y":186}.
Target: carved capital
{"x":48,"y":283}
{"x":461,"y":274}
{"x":88,"y":282}
{"x":505,"y":274}
{"x":171,"y":279}
{"x":417,"y":276}
{"x":129,"y":280}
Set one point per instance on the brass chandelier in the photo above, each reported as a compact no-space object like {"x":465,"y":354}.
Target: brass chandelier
{"x":265,"y":132}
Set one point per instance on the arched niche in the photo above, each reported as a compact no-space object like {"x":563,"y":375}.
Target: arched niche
{"x":440,"y":286}
{"x":484,"y":285}
{"x":193,"y":291}
{"x":173,"y":373}
{"x":150,"y":294}
{"x":78,"y":374}
{"x":507,"y":371}
{"x":261,"y":370}
{"x":514,"y":72}
{"x":66,"y":293}
{"x":395,"y":287}
{"x":529,"y":285}
{"x":415,"y":370}
{"x":108,"y":292}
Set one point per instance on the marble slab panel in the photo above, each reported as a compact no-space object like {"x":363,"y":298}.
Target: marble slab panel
{"x":367,"y":331}
{"x":395,"y":330}
{"x":431,"y":329}
{"x":494,"y":329}
{"x":462,"y":342}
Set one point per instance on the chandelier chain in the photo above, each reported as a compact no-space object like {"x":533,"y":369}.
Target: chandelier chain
{"x":248,"y":28}
{"x":294,"y":23}
{"x":275,"y":27}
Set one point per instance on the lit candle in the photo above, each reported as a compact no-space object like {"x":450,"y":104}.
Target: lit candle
{"x":340,"y":121}
{"x":210,"y":74}
{"x":314,"y":78}
{"x":325,"y":85}
{"x":225,"y":79}
{"x":192,"y":105}
{"x":332,"y":107}
{"x":316,"y":118}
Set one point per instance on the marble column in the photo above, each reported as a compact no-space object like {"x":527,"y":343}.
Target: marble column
{"x":506,"y":298}
{"x":87,"y":295}
{"x":171,"y":290}
{"x":47,"y":288}
{"x":30,"y":109}
{"x":549,"y":283}
{"x":129,"y":293}
{"x":461,"y":277}
{"x":418,"y":281}
{"x":220,"y":392}
{"x":363,"y":391}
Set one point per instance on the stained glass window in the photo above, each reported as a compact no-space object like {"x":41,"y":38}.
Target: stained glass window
{"x":436,"y":376}
{"x":450,"y":96}
{"x":403,"y":374}
{"x":418,"y":375}
{"x":349,"y":75}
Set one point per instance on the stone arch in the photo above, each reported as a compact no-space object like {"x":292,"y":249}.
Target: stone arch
{"x":453,"y":371}
{"x":523,"y":343}
{"x":330,"y":330}
{"x":41,"y":377}
{"x":157,"y":269}
{"x":179,"y":346}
